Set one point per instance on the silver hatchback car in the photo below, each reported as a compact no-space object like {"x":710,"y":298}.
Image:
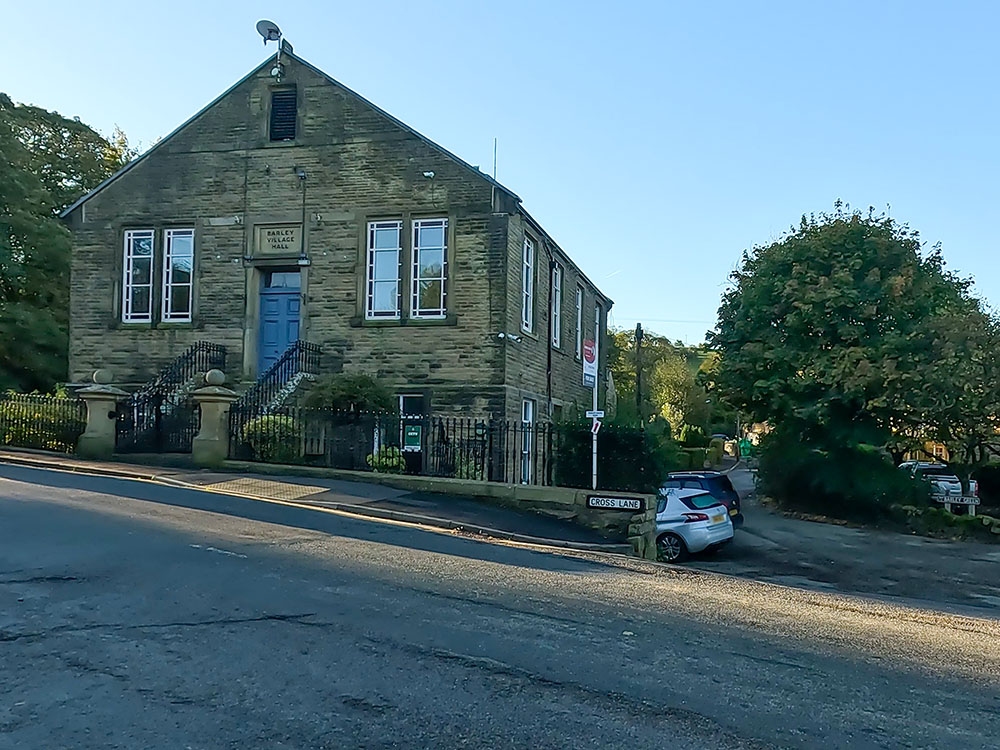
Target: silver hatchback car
{"x":689,"y":521}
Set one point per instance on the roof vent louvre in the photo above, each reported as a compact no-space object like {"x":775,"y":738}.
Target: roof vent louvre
{"x":283,"y":110}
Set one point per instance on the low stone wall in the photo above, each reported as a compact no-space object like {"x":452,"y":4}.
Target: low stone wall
{"x":637,"y":527}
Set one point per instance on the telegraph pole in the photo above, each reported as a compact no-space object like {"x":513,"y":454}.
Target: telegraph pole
{"x":638,"y":371}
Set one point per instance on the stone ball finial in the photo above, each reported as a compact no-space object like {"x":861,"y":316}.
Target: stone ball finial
{"x":215,"y":377}
{"x":103,"y":376}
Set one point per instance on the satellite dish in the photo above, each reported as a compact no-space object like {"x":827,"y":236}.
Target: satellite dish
{"x":269,"y":30}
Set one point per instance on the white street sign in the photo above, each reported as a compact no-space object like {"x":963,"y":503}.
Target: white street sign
{"x":595,"y":414}
{"x":614,"y":503}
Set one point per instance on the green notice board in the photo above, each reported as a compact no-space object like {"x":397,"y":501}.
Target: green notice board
{"x":412,"y":437}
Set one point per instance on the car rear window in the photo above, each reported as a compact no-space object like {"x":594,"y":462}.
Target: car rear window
{"x":720,"y":483}
{"x":935,"y":471}
{"x":672,"y":484}
{"x":699,"y":502}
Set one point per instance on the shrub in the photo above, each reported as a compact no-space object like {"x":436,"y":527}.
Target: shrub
{"x":716,"y":450}
{"x":387,"y":460}
{"x":630,"y":459}
{"x":47,"y":424}
{"x":350,"y":393}
{"x":468,"y":467}
{"x":275,"y":438}
{"x":849,"y":482}
{"x":695,"y":458}
{"x":693,"y":436}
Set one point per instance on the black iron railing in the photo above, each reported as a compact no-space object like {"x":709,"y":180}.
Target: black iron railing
{"x":265,"y":395}
{"x":160,"y":417}
{"x":200,"y":357}
{"x":494,"y":450}
{"x":52,"y":423}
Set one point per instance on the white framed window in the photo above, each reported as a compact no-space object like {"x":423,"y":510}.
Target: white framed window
{"x":178,"y":279}
{"x":382,"y":276}
{"x":597,"y":333}
{"x":579,"y":322}
{"x":555,"y":306}
{"x":430,"y":268}
{"x":527,"y":440}
{"x":528,"y":285}
{"x":137,"y":277}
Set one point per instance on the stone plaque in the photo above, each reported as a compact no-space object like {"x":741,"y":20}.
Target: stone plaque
{"x":278,"y":239}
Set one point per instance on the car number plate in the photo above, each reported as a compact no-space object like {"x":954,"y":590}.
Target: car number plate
{"x":717,"y":519}
{"x":733,"y":511}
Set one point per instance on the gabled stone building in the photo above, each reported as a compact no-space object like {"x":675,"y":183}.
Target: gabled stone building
{"x":292,"y":208}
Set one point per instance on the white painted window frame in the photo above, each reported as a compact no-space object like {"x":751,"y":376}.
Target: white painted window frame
{"x":441,"y":311}
{"x":528,"y":409}
{"x":528,"y":285}
{"x":168,"y":284}
{"x":579,"y":322}
{"x":597,"y":333}
{"x":370,"y":281}
{"x":555,"y":307}
{"x":128,"y":264}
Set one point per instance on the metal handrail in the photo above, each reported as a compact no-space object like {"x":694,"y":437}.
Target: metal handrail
{"x":301,"y":356}
{"x":199,"y":357}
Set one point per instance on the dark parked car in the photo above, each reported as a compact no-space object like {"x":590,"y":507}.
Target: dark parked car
{"x":714,"y":482}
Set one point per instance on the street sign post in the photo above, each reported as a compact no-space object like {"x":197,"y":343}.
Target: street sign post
{"x":590,"y":381}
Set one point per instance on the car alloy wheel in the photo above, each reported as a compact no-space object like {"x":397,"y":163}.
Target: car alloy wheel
{"x":670,"y":548}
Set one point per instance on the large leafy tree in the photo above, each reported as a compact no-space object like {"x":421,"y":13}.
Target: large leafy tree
{"x":46,"y":162}
{"x":670,"y":384}
{"x":845,"y":333}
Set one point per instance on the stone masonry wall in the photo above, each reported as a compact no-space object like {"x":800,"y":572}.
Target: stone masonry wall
{"x":222,"y":176}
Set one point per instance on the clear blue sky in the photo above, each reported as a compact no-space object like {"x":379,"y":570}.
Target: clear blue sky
{"x":654,"y":140}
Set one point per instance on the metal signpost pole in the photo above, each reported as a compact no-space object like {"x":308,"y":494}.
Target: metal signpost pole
{"x":590,"y":381}
{"x":593,"y":438}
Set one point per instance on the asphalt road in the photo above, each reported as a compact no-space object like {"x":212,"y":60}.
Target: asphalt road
{"x":959,"y":576}
{"x":138,"y":616}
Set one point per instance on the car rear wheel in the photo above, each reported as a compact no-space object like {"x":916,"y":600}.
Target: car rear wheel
{"x":670,"y":548}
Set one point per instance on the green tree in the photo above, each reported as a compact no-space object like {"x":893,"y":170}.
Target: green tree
{"x":846,"y":334}
{"x":671,"y":386}
{"x":46,"y":162}
{"x":34,"y":248}
{"x":67,"y":156}
{"x":837,"y":327}
{"x":676,"y":392}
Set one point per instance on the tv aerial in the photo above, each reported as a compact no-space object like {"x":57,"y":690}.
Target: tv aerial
{"x":271,"y":33}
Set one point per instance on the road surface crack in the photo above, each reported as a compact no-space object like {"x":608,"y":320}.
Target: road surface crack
{"x":8,"y":637}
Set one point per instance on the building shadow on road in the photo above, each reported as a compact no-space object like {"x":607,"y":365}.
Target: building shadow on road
{"x":334,"y":524}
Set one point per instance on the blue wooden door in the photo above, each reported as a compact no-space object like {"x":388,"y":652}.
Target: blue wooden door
{"x":280,"y":306}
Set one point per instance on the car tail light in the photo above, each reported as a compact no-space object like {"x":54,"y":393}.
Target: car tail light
{"x":692,"y":517}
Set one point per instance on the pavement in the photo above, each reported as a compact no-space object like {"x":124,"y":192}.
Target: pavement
{"x":960,"y":576}
{"x":136,"y":614}
{"x":465,"y":515}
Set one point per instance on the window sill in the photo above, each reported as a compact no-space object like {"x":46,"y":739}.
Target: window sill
{"x":530,"y":334}
{"x":359,"y":322}
{"x":158,"y":326}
